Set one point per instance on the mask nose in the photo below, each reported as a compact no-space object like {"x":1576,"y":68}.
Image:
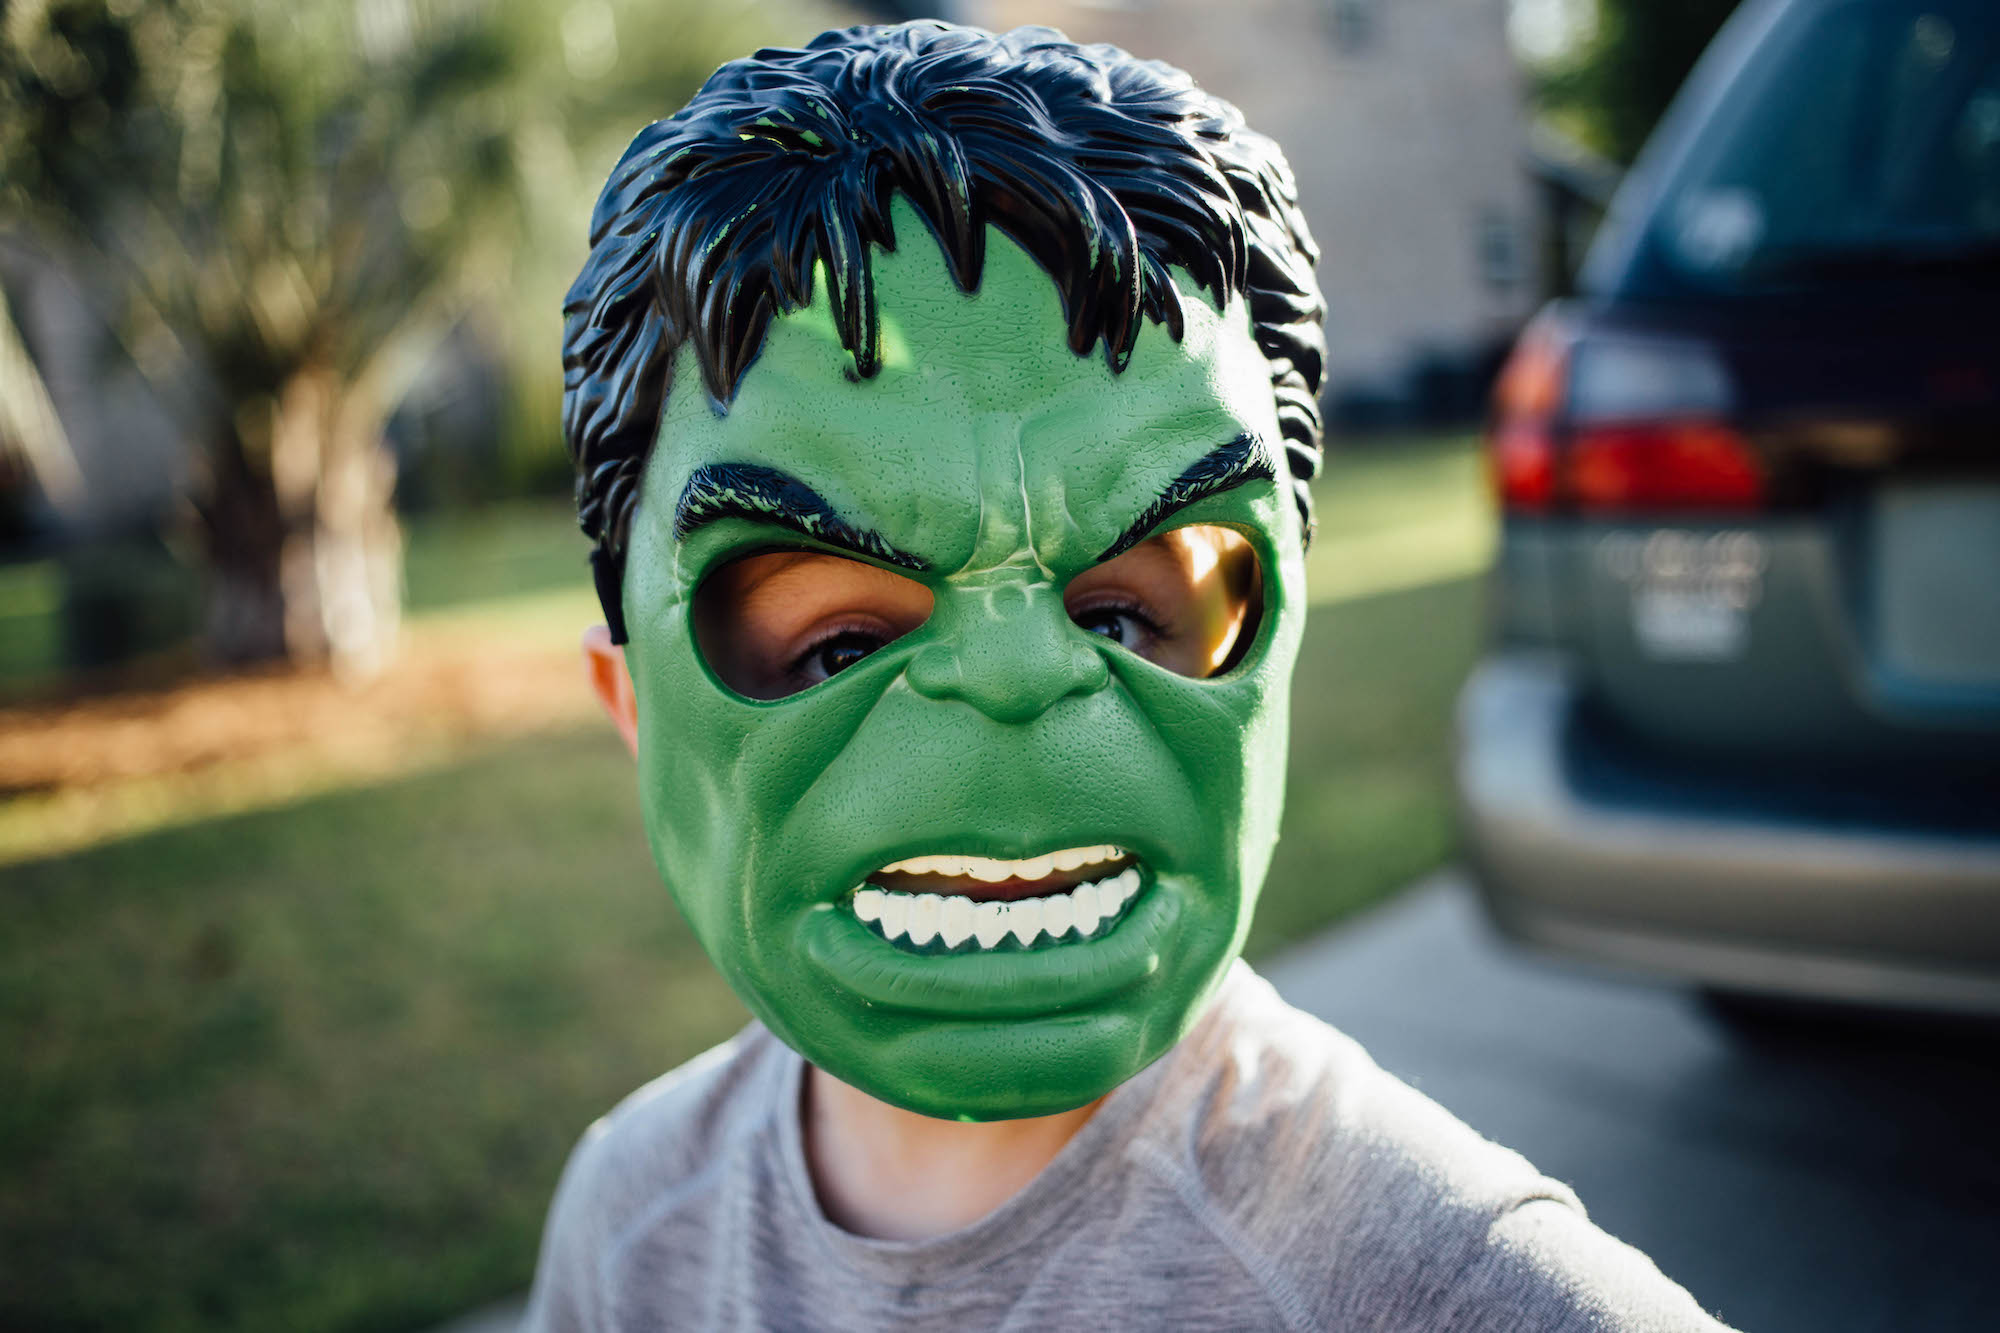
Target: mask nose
{"x":1010,"y":651}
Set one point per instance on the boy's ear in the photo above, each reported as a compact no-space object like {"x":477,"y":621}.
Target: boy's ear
{"x":604,"y":662}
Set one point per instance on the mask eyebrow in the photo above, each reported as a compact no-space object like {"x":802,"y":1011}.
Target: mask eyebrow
{"x":767,"y":495}
{"x":1243,"y":459}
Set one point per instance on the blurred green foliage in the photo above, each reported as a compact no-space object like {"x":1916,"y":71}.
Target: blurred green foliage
{"x":1613,"y":87}
{"x":279,"y":182}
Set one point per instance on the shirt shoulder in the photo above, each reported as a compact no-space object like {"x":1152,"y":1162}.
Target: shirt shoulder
{"x":659,"y":1150}
{"x":1357,"y":1202}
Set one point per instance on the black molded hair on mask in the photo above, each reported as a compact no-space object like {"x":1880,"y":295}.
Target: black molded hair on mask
{"x":1106,"y":169}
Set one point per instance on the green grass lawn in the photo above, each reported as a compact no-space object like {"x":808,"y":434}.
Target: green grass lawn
{"x":316,"y":1067}
{"x":452,"y":559}
{"x":30,"y":620}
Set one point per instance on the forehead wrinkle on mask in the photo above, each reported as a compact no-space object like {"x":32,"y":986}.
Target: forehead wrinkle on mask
{"x":1028,"y":513}
{"x":1005,"y":541}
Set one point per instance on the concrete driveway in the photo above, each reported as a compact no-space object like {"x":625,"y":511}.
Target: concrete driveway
{"x":1796,"y":1179}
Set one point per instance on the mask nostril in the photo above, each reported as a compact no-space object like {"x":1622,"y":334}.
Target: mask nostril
{"x":935,"y":673}
{"x":1093,"y":673}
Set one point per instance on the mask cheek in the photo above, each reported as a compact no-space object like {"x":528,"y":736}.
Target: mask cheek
{"x":1229,"y":736}
{"x":720,"y":778}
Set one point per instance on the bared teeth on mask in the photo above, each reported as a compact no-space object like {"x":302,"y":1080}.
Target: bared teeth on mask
{"x":957,"y":922}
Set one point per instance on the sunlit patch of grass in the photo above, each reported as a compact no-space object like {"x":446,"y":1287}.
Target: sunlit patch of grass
{"x":106,"y":768}
{"x":1399,"y":516}
{"x":504,"y":666}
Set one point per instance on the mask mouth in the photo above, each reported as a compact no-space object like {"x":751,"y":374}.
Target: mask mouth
{"x":974,"y":904}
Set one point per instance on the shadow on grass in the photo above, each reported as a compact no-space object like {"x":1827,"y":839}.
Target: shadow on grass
{"x":317,"y":1067}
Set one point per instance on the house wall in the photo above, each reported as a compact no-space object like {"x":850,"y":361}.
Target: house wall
{"x":1403,"y":121}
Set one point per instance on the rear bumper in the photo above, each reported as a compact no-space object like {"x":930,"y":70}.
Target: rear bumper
{"x":1827,"y":910}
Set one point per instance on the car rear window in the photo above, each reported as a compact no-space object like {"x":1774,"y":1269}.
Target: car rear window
{"x":1864,"y":142}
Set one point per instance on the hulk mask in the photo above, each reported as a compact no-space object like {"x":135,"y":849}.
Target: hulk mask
{"x":989,"y":466}
{"x":959,"y":652}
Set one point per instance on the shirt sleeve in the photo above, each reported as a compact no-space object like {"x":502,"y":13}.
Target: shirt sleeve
{"x":568,"y":1293}
{"x":1548,"y":1268}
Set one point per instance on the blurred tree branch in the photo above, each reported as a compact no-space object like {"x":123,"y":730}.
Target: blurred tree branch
{"x":1612,"y":89}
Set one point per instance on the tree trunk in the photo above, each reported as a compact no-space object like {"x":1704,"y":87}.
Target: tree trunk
{"x":244,"y":534}
{"x":305,"y":556}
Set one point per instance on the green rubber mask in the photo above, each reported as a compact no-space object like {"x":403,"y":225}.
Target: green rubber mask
{"x":966,"y":716}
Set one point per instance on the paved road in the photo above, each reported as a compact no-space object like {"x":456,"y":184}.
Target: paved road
{"x":1796,"y":1180}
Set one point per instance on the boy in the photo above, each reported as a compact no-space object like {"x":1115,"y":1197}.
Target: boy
{"x":944,"y":407}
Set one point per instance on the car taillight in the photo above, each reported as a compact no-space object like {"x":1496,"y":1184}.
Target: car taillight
{"x":1610,"y":424}
{"x":1662,"y":465}
{"x":1526,"y":399}
{"x":1524,"y":467}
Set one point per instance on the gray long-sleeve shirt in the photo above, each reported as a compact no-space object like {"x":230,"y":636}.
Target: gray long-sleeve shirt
{"x":1264,"y":1174}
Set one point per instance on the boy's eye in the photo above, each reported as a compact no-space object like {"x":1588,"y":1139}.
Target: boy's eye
{"x":773,"y":624}
{"x":1188,"y":600}
{"x":1124,"y":627}
{"x":838,"y":653}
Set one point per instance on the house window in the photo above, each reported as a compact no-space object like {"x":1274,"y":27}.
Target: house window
{"x":1499,"y":244}
{"x":1353,"y":24}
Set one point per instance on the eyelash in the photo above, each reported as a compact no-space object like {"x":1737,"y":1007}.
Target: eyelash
{"x":833,"y":633}
{"x":1124,"y":606}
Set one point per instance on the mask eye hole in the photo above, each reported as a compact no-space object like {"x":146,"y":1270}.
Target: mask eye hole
{"x":1189,"y":600}
{"x":773,"y":624}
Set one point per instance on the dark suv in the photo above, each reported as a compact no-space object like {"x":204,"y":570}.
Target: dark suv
{"x":1740,"y":719}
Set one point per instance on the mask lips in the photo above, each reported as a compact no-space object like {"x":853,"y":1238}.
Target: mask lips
{"x":992,"y":985}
